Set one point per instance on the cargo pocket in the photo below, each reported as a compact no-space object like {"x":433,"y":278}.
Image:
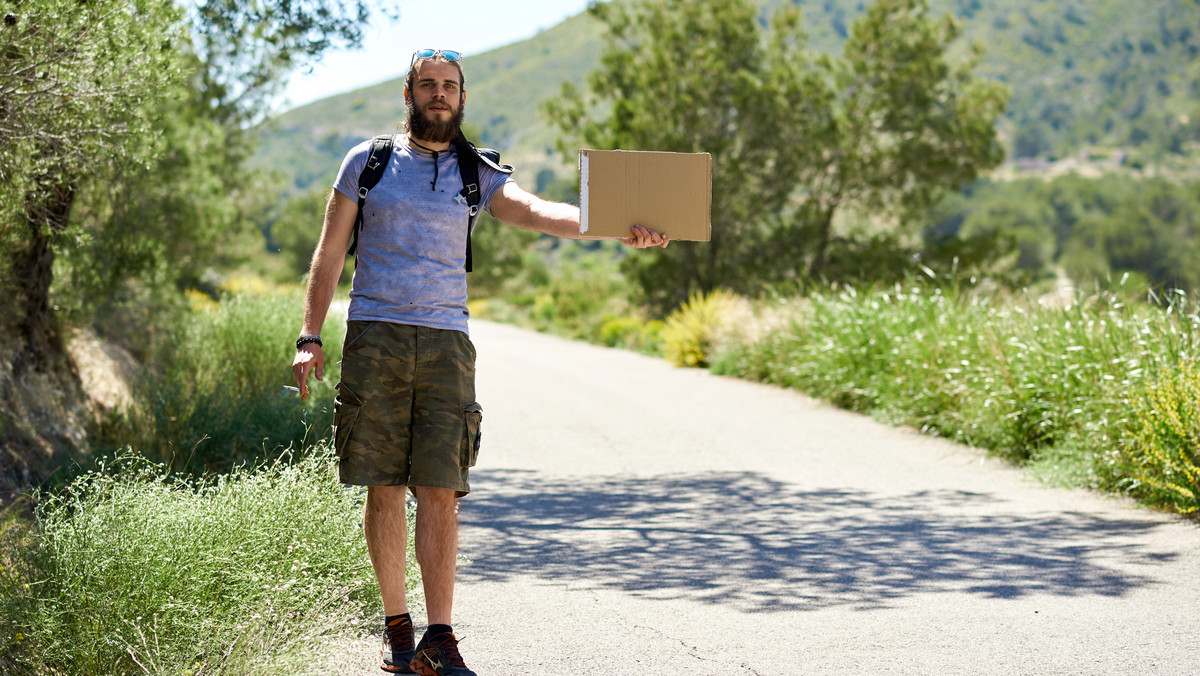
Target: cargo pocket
{"x":472,"y":419}
{"x":345,"y":413}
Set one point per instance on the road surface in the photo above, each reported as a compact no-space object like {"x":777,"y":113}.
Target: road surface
{"x":628,"y":517}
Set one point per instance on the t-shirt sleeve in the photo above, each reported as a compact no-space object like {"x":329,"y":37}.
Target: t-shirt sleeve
{"x":352,"y":167}
{"x":492,"y":180}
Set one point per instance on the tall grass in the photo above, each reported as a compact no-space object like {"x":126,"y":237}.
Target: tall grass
{"x":133,"y":570}
{"x":1029,"y":382}
{"x":215,"y":397}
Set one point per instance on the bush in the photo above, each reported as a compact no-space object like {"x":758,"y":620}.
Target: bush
{"x":632,"y":333}
{"x":580,"y":295}
{"x":1159,"y":457}
{"x":130,"y":570}
{"x":688,"y":334}
{"x":575,"y":298}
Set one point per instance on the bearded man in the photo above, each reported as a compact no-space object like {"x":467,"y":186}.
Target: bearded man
{"x":405,"y":417}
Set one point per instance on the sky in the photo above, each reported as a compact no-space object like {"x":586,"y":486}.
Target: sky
{"x":468,"y":26}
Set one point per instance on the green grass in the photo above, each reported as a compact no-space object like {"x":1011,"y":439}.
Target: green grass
{"x":190,"y":541}
{"x":132,"y":570}
{"x":214,"y":396}
{"x":1048,"y":387}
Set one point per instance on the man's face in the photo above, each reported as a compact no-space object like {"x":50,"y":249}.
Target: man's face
{"x":435,"y":103}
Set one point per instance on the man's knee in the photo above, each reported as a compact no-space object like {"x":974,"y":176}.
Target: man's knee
{"x":386,"y":498}
{"x":435,"y":498}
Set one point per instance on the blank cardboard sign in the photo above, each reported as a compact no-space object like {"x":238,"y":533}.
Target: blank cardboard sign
{"x":667,"y":192}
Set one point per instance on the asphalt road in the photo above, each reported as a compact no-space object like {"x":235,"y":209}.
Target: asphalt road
{"x":628,"y":517}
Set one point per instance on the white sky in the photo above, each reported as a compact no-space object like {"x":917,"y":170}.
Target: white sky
{"x":468,"y":26}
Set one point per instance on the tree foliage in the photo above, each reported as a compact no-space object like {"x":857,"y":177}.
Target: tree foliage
{"x":77,"y":83}
{"x":795,"y":138}
{"x":121,"y":148}
{"x":905,"y":125}
{"x":1089,"y":229}
{"x":694,"y":77}
{"x":121,"y":136}
{"x":82,"y":87}
{"x":247,"y":47}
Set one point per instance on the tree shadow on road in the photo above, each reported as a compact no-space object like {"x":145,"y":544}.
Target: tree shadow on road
{"x":744,"y":539}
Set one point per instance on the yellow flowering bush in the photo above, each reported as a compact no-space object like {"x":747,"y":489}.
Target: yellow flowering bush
{"x":1160,"y":456}
{"x":688,"y":335}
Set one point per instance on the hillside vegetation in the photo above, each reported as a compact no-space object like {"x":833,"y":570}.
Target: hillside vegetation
{"x":1103,"y":73}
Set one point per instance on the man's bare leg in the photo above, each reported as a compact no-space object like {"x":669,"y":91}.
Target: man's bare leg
{"x":386,"y":528}
{"x":437,"y":549}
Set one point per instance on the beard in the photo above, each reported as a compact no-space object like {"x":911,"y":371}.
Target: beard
{"x":433,"y":131}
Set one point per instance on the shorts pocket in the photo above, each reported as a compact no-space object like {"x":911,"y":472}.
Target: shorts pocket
{"x":356,"y":331}
{"x":472,"y":420}
{"x":346,"y":406}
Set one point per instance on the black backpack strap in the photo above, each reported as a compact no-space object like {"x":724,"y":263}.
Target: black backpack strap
{"x":469,"y":158}
{"x":377,"y":161}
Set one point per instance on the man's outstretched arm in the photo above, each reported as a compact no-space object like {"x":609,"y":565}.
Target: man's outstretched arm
{"x":515,"y":206}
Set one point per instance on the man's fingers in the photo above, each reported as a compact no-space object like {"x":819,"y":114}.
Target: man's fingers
{"x":301,"y":371}
{"x":643,"y":237}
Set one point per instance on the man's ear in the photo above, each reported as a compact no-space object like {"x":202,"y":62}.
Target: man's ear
{"x":407,"y":96}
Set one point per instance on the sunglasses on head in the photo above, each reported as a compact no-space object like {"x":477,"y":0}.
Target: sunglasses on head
{"x":450,"y":55}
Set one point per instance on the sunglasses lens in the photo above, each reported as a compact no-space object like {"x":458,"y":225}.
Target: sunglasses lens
{"x":424,"y":53}
{"x":451,"y":55}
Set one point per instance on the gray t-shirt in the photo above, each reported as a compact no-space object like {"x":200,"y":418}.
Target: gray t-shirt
{"x":413,"y":244}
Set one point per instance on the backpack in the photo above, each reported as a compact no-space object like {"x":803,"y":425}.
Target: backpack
{"x":469,"y":158}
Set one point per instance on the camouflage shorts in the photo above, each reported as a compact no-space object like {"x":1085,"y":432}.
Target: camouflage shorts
{"x":405,"y":413}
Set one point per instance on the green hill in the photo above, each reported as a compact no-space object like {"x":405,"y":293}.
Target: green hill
{"x":1084,"y":74}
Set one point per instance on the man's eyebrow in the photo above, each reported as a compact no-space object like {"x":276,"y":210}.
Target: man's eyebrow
{"x":434,"y":79}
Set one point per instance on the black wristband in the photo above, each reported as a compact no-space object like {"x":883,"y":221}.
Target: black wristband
{"x":304,"y":340}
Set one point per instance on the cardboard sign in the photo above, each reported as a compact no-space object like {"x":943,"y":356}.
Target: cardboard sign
{"x":667,"y":192}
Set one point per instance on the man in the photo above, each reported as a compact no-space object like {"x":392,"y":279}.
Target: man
{"x":405,"y":416}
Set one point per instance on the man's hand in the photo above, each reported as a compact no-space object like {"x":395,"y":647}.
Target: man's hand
{"x":644,"y":238}
{"x":309,"y":356}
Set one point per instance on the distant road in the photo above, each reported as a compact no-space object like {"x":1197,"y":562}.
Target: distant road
{"x":632,"y":518}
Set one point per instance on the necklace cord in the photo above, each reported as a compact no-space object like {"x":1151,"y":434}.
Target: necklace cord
{"x":433,"y":183}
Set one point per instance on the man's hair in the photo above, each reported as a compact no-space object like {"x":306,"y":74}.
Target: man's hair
{"x":436,"y":58}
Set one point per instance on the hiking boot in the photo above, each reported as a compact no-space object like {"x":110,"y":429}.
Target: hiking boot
{"x":398,"y":646}
{"x":437,"y":655}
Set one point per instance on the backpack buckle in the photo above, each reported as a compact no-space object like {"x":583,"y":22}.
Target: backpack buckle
{"x":474,"y":210}
{"x":362,"y":193}
{"x":471,"y":188}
